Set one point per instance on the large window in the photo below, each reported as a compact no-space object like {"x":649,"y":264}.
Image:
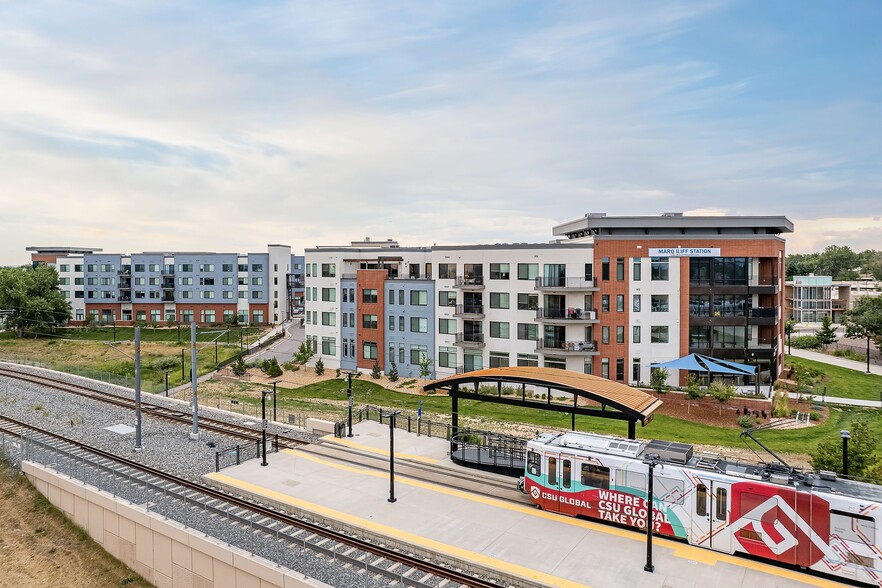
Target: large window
{"x":699,"y":305}
{"x":446,"y":271}
{"x":446,"y":298}
{"x":659,"y":334}
{"x":660,"y":303}
{"x":528,"y":271}
{"x":447,"y":326}
{"x":329,"y":295}
{"x":329,"y":319}
{"x":528,"y":301}
{"x":418,"y":354}
{"x":528,"y":359}
{"x":528,"y":331}
{"x":369,"y":350}
{"x":729,"y":337}
{"x":699,"y":337}
{"x":369,"y":321}
{"x":498,"y":359}
{"x":419,"y":298}
{"x":499,"y":330}
{"x":660,"y":269}
{"x":500,"y":300}
{"x":419,"y":324}
{"x":447,"y":357}
{"x":730,"y":305}
{"x":329,"y":346}
{"x":730,"y":270}
{"x":329,"y":270}
{"x":499,"y":271}
{"x":595,"y":476}
{"x":369,"y":295}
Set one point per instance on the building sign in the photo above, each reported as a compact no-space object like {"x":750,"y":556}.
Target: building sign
{"x":684,"y":252}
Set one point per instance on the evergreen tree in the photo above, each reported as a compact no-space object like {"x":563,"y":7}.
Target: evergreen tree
{"x":827,"y":334}
{"x":239,"y":367}
{"x":393,"y":371}
{"x":375,"y":370}
{"x":319,"y":366}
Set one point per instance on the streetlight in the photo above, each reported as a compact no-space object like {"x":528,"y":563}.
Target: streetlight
{"x":391,"y":417}
{"x":263,"y":395}
{"x":274,"y":397}
{"x":651,"y":460}
{"x":349,"y":397}
{"x":845,"y":437}
{"x":167,"y":372}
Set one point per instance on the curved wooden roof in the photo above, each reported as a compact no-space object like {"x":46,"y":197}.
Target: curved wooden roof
{"x":626,"y":399}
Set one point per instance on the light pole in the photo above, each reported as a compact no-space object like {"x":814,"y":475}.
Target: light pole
{"x":651,"y":460}
{"x":195,"y":433}
{"x":274,"y":382}
{"x":137,"y":387}
{"x":391,"y":417}
{"x":349,"y":398}
{"x":845,"y":437}
{"x":167,"y":372}
{"x":263,"y":395}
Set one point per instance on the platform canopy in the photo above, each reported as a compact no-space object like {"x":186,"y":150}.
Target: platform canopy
{"x":696,"y":362}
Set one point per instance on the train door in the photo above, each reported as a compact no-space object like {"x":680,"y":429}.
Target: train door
{"x":710,"y":515}
{"x":567,"y":467}
{"x":552,"y":468}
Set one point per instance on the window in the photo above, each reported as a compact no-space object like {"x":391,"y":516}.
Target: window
{"x":637,"y":269}
{"x":207,"y":294}
{"x":329,"y":346}
{"x":92,"y":281}
{"x":186,"y":316}
{"x":701,"y":500}
{"x":604,"y":335}
{"x":635,"y":370}
{"x":635,"y":306}
{"x":243,"y":294}
{"x":588,"y":366}
{"x":256,"y":294}
{"x":401,"y":324}
{"x":500,"y":300}
{"x":620,"y":268}
{"x":107,"y":281}
{"x":528,"y":331}
{"x":595,"y":476}
{"x":659,"y":269}
{"x":329,"y":294}
{"x":447,"y":357}
{"x":658,"y":334}
{"x":498,"y":359}
{"x":589,"y":272}
{"x":329,"y":270}
{"x":552,"y":471}
{"x":534,"y":463}
{"x":369,"y":350}
{"x":446,"y":271}
{"x":730,"y":337}
{"x":256,"y":268}
{"x":206,"y":267}
{"x":620,"y":334}
{"x":185,"y":281}
{"x":227,"y":268}
{"x":391,"y":323}
{"x":620,"y":369}
{"x":528,"y":271}
{"x":419,"y":324}
{"x":659,"y":303}
{"x":243,"y":267}
{"x":257,"y":317}
{"x":186,"y":294}
{"x":604,"y":268}
{"x":699,"y":337}
{"x":65,"y":294}
{"x":207,"y":316}
{"x":447,"y":298}
{"x":528,"y":359}
{"x":257,"y":281}
{"x":64,"y":281}
{"x":346,"y":323}
{"x":604,"y":368}
{"x":369,"y":321}
{"x":528,"y":301}
{"x":225,"y":281}
{"x":185,"y":267}
{"x":390,"y":298}
{"x":604,"y":303}
{"x":401,"y":297}
{"x":853,"y":527}
{"x":447,"y":326}
{"x":78,"y":281}
{"x":92,"y":267}
{"x":155,"y":316}
{"x":730,"y":270}
{"x":242,"y":281}
{"x":620,"y":303}
{"x":499,"y":271}
{"x":78,"y":267}
{"x":722,"y":505}
{"x":418,"y":354}
{"x":139,"y":294}
{"x":730,"y":306}
{"x":558,"y":363}
{"x":107,"y":267}
{"x":154,"y":281}
{"x":699,"y":305}
{"x":419,"y":298}
{"x":499,"y":330}
{"x":329,"y":319}
{"x":66,"y":268}
{"x":567,"y":473}
{"x":401,"y":352}
{"x":635,"y":334}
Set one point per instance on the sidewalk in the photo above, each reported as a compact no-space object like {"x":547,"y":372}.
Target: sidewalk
{"x":838,"y":361}
{"x":833,"y":400}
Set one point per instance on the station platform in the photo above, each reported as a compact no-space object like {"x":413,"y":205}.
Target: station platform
{"x":512,"y":537}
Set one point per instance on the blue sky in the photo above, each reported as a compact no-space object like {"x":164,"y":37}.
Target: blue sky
{"x":226,"y":126}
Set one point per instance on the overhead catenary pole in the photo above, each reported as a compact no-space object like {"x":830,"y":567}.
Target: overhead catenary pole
{"x":195,"y":433}
{"x":138,"y":389}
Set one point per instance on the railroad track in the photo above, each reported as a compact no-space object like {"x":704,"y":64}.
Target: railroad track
{"x":376,"y":559}
{"x":153,"y":410}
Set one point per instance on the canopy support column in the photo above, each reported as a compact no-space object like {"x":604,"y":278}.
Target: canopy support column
{"x":454,"y":428}
{"x":632,"y":429}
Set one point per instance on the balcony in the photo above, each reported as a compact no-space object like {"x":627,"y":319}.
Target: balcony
{"x":566,"y":315}
{"x":469,"y":283}
{"x":126,"y":270}
{"x":840,"y":304}
{"x":565,"y":284}
{"x":168,"y":296}
{"x":168,"y":285}
{"x":553,"y":345}
{"x":763,"y":316}
{"x":469,"y":311}
{"x":763,"y":284}
{"x":125,"y":298}
{"x":475,"y":340}
{"x":763,"y":348}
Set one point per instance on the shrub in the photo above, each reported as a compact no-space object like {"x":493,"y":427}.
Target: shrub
{"x":657,"y":379}
{"x":779,"y":404}
{"x":319,"y":366}
{"x":375,"y":370}
{"x":693,"y":388}
{"x":746,"y":421}
{"x":828,"y":455}
{"x":271,"y":367}
{"x":167,"y":362}
{"x":239,"y":367}
{"x":721,"y":393}
{"x":805,"y":342}
{"x":337,"y":373}
{"x":393,"y":371}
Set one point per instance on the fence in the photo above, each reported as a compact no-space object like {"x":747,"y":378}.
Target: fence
{"x":231,"y":456}
{"x":77,"y":370}
{"x":406,"y":421}
{"x":490,"y":450}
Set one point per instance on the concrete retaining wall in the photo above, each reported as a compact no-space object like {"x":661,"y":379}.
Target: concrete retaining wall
{"x":164,"y":552}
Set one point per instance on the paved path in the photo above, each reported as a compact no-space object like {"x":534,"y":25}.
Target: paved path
{"x":285,"y":349}
{"x":833,"y":360}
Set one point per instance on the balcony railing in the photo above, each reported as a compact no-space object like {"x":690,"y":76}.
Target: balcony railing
{"x":556,"y":345}
{"x":764,"y":312}
{"x":764,"y":280}
{"x":569,"y":314}
{"x":559,"y":283}
{"x":469,"y":282}
{"x":168,"y":297}
{"x":469,"y":309}
{"x":764,"y":343}
{"x":470,"y":339}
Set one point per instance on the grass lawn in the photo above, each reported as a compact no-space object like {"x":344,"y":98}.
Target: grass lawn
{"x":841,"y":382}
{"x":166,"y":334}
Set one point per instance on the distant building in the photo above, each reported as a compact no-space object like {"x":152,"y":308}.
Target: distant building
{"x":809,"y":298}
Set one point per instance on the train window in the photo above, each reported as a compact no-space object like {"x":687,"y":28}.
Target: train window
{"x":701,"y":500}
{"x":567,"y":473}
{"x":595,"y":476}
{"x":722,"y":505}
{"x":552,"y":471}
{"x":534,"y":463}
{"x":853,"y":527}
{"x":667,"y":490}
{"x":635,"y":480}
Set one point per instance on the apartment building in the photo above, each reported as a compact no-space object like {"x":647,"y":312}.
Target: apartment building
{"x":157,"y":287}
{"x":618,"y":294}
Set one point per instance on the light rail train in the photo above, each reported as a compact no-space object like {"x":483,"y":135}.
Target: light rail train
{"x":771,"y":511}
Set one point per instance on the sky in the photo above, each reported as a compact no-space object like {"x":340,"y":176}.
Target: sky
{"x":224,"y":126}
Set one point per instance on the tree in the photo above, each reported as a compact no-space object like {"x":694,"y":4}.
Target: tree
{"x":658,"y":378}
{"x":721,"y":393}
{"x":239,"y":367}
{"x":33,"y":299}
{"x":693,"y":387}
{"x":319,"y":366}
{"x":304,"y":353}
{"x":271,"y":367}
{"x":864,"y":321}
{"x":838,"y":261}
{"x":231,"y":320}
{"x":393,"y":371}
{"x":827,"y":334}
{"x":375,"y":370}
{"x":828,"y":455}
{"x":425,"y":366}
